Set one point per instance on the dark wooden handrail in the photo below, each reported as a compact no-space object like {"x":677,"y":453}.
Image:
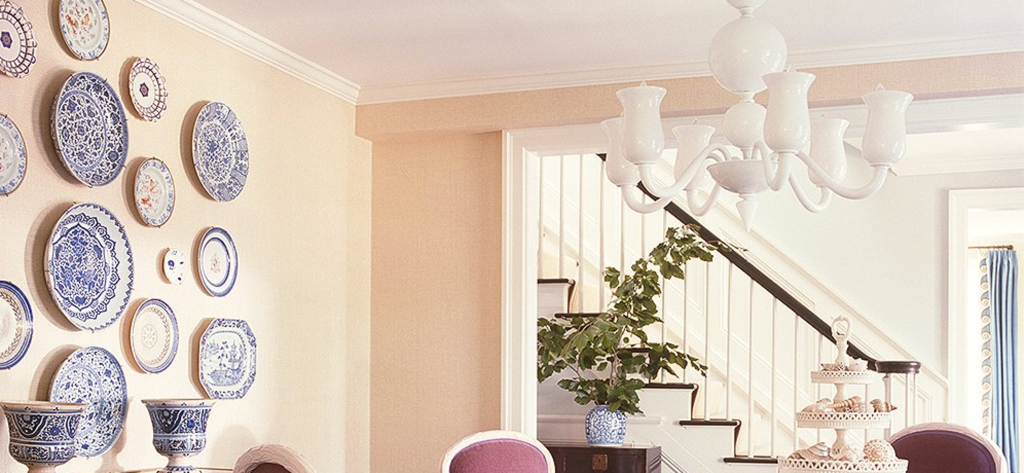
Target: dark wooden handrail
{"x":758,"y":276}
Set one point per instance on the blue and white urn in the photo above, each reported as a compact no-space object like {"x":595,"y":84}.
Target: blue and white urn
{"x":605,"y":428}
{"x":179,"y":430}
{"x":42,"y":433}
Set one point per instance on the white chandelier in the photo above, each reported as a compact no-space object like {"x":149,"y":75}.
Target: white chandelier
{"x":747,"y":56}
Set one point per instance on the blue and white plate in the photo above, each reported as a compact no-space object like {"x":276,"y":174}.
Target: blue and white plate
{"x":13,"y":156}
{"x":227,"y":359}
{"x":217,"y":262}
{"x":15,"y":325}
{"x":220,"y":152}
{"x":89,"y":266}
{"x":90,"y":130}
{"x":92,"y":376}
{"x":154,"y":336}
{"x":148,"y":89}
{"x":17,"y":41}
{"x":154,"y":192}
{"x":85,"y":27}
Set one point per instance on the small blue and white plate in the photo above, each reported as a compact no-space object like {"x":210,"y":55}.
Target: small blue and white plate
{"x":154,"y":192}
{"x":90,"y":130}
{"x":148,"y":89}
{"x":217,"y":262}
{"x":15,"y":325}
{"x":174,"y":266}
{"x":13,"y":156}
{"x":220,"y":152}
{"x":227,"y":359}
{"x":91,"y":375}
{"x":85,"y":27}
{"x":154,"y":336}
{"x":89,"y":267}
{"x":17,"y":41}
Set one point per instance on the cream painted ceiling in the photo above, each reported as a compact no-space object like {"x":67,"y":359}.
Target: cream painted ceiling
{"x":382,"y":44}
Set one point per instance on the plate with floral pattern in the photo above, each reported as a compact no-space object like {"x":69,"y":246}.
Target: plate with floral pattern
{"x":90,"y":130}
{"x":154,"y":336}
{"x":227,"y":359}
{"x":148,"y":90}
{"x":154,"y":192}
{"x":13,"y":156}
{"x":17,"y":41}
{"x":85,"y":27}
{"x":220,"y":152}
{"x":91,"y":375}
{"x":217,"y":262}
{"x":174,"y":266}
{"x":15,"y":325}
{"x":89,"y":267}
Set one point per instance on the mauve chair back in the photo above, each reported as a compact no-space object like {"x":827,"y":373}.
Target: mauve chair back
{"x":498,"y":452}
{"x":946,"y":448}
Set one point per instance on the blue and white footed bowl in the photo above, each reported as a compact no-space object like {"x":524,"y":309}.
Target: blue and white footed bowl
{"x":42,"y":433}
{"x":179,"y":430}
{"x":605,"y":428}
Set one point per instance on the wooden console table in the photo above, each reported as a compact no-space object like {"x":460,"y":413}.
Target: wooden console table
{"x":583,"y":459}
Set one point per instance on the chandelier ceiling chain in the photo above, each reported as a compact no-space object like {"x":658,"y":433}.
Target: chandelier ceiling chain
{"x":747,"y":56}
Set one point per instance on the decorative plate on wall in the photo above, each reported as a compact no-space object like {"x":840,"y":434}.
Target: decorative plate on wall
{"x":17,"y":41}
{"x":13,"y":156}
{"x":154,"y":192}
{"x":89,"y":266}
{"x":92,"y":375}
{"x":85,"y":27}
{"x":174,"y":266}
{"x":220,"y":152}
{"x":217,"y":262}
{"x":90,"y":130}
{"x":15,"y":325}
{"x":154,"y":336}
{"x":148,"y":91}
{"x":227,"y":359}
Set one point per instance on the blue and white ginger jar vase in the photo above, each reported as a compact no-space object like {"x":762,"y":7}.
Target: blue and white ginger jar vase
{"x":605,"y":428}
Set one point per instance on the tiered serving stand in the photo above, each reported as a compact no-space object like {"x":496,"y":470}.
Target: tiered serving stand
{"x":842,"y":421}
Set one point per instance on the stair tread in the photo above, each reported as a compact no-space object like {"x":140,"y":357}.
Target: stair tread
{"x":728,"y":422}
{"x":670,"y":386}
{"x":754,"y":459}
{"x":555,"y":281}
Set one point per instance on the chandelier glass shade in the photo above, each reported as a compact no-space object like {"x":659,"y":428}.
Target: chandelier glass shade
{"x":747,"y":56}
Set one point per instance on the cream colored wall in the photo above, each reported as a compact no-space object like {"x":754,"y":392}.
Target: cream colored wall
{"x":429,"y":155}
{"x":302,"y":227}
{"x":436,"y":297}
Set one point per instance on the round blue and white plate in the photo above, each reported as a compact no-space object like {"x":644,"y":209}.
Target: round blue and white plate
{"x":220,"y":152}
{"x":13,"y":156}
{"x":85,"y":27}
{"x":154,"y":192}
{"x":91,"y":375}
{"x":17,"y":41}
{"x":227,"y":359}
{"x":89,"y":266}
{"x":15,"y":325}
{"x":154,"y":336}
{"x":217,"y":262}
{"x":90,"y":130}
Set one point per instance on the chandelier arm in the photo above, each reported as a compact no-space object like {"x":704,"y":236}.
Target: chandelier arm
{"x":638,"y":205}
{"x":776,"y":177}
{"x":823,"y":201}
{"x":688,"y":174}
{"x":852,"y":193}
{"x":691,"y":199}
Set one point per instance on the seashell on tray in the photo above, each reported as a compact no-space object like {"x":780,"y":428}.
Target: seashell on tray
{"x":858,"y":365}
{"x":882,"y":406}
{"x":817,"y":452}
{"x":847,"y":453}
{"x":879,"y":450}
{"x":833,"y":366}
{"x":846,"y":404}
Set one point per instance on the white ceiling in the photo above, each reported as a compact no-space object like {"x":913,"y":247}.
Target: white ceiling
{"x":398,"y":48}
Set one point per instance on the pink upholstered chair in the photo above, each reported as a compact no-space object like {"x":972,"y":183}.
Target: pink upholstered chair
{"x":939,"y":447}
{"x":498,"y":451}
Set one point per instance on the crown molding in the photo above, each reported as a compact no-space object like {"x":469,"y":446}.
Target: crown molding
{"x":222,"y":29}
{"x":460,"y":87}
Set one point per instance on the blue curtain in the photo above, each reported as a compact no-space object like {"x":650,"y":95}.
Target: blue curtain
{"x":1002,"y":312}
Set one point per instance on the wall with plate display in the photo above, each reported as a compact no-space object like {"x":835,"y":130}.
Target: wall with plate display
{"x":300,"y":233}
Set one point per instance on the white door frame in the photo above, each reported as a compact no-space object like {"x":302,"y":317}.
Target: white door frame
{"x":961,"y":331}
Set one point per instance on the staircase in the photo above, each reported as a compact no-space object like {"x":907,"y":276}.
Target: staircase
{"x":759,"y":335}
